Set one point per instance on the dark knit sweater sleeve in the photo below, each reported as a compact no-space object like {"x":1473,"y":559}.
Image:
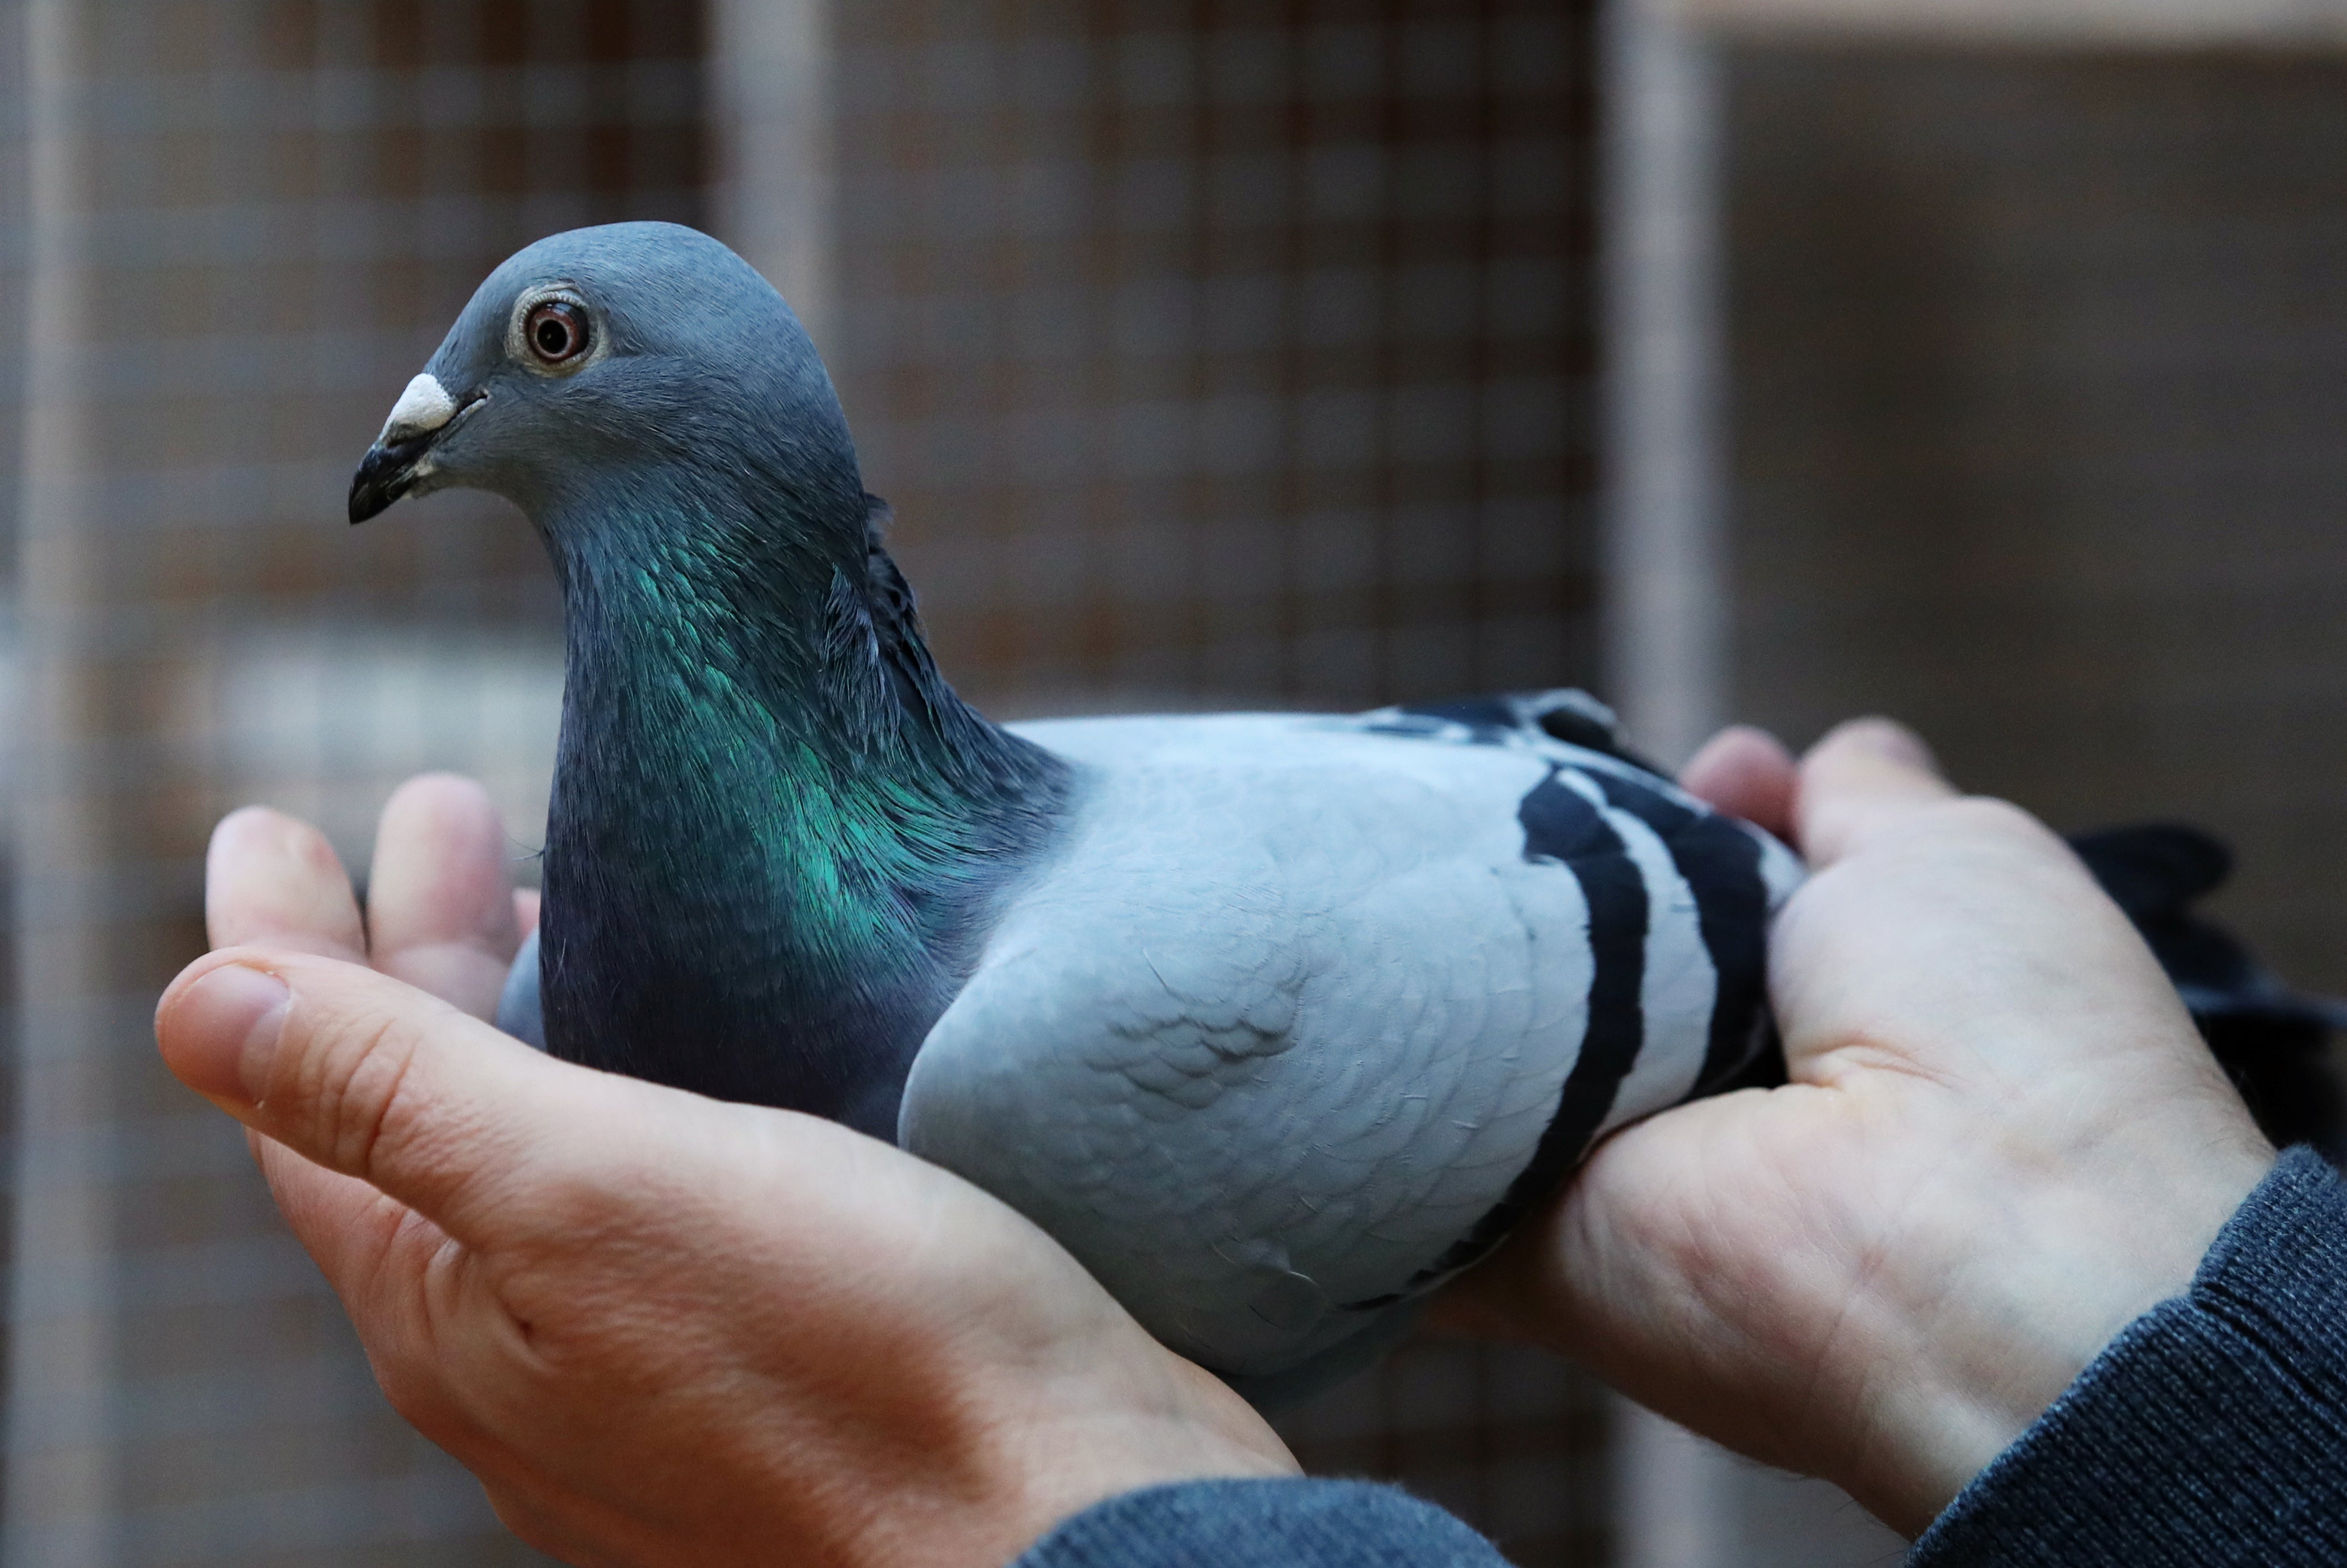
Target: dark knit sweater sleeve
{"x":1263,"y":1524}
{"x":2212,"y":1431}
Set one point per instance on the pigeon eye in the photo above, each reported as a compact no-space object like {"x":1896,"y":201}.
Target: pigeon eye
{"x":557,"y":332}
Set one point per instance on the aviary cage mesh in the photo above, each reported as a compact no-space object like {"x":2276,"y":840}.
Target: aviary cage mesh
{"x":1244,"y":355}
{"x":1208,"y":357}
{"x":238,"y":229}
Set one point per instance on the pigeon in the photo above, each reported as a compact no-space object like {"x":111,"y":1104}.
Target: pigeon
{"x":1276,"y":1021}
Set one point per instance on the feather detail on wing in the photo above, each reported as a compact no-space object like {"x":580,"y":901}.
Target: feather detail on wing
{"x":520,"y":1012}
{"x":1306,"y":1013}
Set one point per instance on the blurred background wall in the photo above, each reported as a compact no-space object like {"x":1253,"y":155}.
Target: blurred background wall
{"x":1210,"y":355}
{"x":234,"y":229}
{"x":2039,"y":371}
{"x":1208,"y":358}
{"x":2014,"y":412}
{"x":1224,"y":350}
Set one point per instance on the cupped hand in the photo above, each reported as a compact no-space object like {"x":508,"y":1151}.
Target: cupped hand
{"x":661,"y":1329}
{"x":2003,"y":1140}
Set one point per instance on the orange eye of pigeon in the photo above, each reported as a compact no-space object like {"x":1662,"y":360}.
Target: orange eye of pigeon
{"x":557,"y":332}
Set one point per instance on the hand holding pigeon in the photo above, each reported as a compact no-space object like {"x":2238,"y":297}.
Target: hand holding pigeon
{"x":662,"y":1329}
{"x":628,"y":1310}
{"x":2003,"y":1140}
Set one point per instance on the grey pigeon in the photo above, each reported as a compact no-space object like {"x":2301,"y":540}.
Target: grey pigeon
{"x":1275,"y":1020}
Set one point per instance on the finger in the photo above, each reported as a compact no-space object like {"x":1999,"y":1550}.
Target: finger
{"x":1746,"y":773}
{"x":375,"y":1080}
{"x":273,"y":879}
{"x":440,"y":909}
{"x":1865,"y":777}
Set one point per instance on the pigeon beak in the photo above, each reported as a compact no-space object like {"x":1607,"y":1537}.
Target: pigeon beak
{"x":400,"y":456}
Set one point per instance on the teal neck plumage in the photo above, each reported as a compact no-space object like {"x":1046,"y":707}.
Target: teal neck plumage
{"x":775,"y":830}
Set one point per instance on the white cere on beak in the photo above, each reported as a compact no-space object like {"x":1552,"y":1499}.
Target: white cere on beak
{"x":422,"y":408}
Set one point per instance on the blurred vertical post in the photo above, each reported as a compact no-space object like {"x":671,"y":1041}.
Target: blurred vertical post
{"x":1665,"y":583}
{"x":58,"y":1487}
{"x":769,"y":63}
{"x":1664,"y":589}
{"x":1674,"y":1495}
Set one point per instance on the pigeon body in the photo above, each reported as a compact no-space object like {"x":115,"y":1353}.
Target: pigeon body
{"x":1304,"y":1012}
{"x":1276,"y":1021}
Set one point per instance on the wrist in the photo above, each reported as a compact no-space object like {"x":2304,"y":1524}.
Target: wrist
{"x":1157,"y":1422}
{"x":1988,"y":1341}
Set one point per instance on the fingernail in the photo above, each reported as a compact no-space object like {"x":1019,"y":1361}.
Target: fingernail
{"x":225,"y":1030}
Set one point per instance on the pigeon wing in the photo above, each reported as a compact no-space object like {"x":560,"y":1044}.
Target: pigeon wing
{"x":519,"y":1012}
{"x":1274,"y":1048}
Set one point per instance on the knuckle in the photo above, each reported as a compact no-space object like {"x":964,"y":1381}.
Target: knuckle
{"x":573,"y":1210}
{"x":360,"y":1093}
{"x":518,"y":1510}
{"x":632,"y":1191}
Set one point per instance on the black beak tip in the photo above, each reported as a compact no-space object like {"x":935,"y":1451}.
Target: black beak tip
{"x":382,"y":477}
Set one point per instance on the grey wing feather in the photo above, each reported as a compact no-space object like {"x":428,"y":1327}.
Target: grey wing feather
{"x":1259,"y":1095}
{"x":1308,"y":1012}
{"x":518,"y":1012}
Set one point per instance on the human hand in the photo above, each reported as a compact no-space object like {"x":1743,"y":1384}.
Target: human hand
{"x":2002,"y":1141}
{"x":661,"y":1329}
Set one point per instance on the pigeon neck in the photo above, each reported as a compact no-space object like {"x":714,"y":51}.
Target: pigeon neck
{"x":795,"y":637}
{"x":771,"y":817}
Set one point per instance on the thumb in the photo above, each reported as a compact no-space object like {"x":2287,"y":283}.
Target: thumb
{"x":366,"y":1076}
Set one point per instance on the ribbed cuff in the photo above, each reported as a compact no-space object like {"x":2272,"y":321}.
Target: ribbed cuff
{"x":2212,"y":1431}
{"x":1263,"y":1524}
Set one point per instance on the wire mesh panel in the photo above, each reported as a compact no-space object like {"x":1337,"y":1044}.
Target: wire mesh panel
{"x":2041,"y":364}
{"x":1512,"y":1440}
{"x":1206,"y":356}
{"x":1230,"y":351}
{"x":249,"y":222}
{"x":1217,"y":354}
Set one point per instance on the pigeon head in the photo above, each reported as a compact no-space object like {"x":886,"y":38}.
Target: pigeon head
{"x":604,"y":359}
